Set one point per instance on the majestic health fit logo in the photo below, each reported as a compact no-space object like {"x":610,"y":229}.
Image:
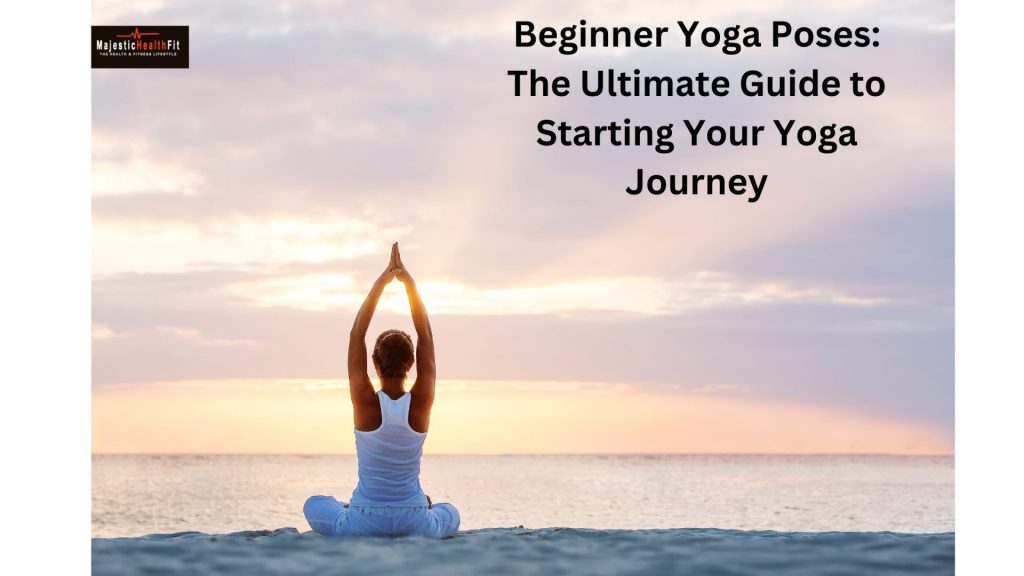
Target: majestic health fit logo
{"x":140,"y":46}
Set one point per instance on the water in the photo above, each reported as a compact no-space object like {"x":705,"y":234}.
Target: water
{"x":136,"y":495}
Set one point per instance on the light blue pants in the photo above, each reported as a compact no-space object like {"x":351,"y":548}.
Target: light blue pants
{"x":329,"y":517}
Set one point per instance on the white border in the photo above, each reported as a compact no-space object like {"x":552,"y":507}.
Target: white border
{"x":45,"y":289}
{"x":989,"y":286}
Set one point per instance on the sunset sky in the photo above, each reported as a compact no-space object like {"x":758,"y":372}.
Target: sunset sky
{"x":242,"y":208}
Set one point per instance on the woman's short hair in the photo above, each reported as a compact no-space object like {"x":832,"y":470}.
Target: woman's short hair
{"x":393,"y":354}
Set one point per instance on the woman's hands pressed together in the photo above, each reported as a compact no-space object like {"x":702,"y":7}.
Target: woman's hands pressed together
{"x":395,"y":268}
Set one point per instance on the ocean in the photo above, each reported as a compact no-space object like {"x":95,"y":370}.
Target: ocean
{"x":134,"y":495}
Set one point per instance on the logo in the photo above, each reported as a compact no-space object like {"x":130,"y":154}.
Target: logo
{"x":140,"y":46}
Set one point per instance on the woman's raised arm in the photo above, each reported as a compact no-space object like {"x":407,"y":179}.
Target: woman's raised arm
{"x":359,"y":386}
{"x":426,"y":370}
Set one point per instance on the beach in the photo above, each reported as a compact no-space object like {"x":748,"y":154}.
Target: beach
{"x":549,"y":551}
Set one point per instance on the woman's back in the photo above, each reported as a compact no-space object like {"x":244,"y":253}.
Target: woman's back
{"x":389,"y":458}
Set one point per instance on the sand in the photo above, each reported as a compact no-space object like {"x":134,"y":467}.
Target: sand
{"x":497,"y":551}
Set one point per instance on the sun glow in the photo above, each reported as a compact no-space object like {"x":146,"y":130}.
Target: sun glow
{"x":494,"y":417}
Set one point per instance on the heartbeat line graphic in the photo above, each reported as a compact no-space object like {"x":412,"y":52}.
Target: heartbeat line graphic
{"x":136,"y":35}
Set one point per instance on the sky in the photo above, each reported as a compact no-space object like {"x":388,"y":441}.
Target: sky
{"x":243,"y":207}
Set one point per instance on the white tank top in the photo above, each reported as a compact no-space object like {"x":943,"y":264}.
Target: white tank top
{"x":389,"y":458}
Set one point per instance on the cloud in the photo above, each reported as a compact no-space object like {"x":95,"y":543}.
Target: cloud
{"x":101,"y":332}
{"x":131,"y":164}
{"x":423,"y":136}
{"x":242,"y":207}
{"x":240,"y":242}
{"x":631,"y":295}
{"x":193,"y":336}
{"x":887,"y":358}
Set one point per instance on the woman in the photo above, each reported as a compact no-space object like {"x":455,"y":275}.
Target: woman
{"x":390,"y":427}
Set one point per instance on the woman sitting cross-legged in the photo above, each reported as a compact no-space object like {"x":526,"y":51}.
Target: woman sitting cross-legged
{"x":390,"y":427}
